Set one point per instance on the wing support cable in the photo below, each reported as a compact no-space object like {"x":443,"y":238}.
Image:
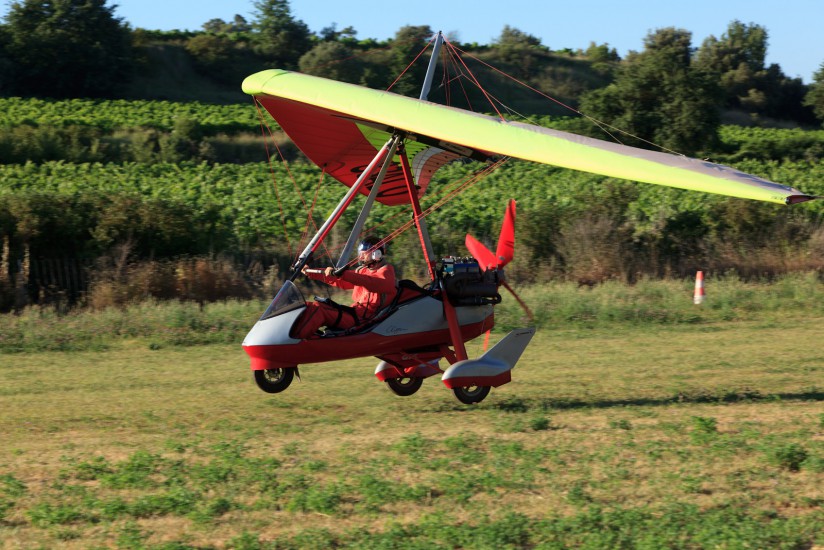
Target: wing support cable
{"x":420,"y":53}
{"x":475,"y":81}
{"x":310,"y":219}
{"x":264,"y":129}
{"x":608,"y":129}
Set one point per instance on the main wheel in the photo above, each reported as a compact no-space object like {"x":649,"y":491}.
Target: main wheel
{"x":274,"y":380}
{"x":471,"y":394}
{"x":404,"y":386}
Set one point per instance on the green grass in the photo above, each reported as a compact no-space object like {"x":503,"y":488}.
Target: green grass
{"x":611,"y":435}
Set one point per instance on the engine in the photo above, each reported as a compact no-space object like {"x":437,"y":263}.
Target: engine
{"x":466,"y":284}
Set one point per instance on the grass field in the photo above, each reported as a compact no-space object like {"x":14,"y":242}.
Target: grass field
{"x":614,"y":436}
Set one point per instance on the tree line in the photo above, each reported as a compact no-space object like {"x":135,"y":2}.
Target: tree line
{"x":81,"y":48}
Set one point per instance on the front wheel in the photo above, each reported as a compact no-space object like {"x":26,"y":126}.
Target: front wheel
{"x":471,"y":394}
{"x":274,"y":380}
{"x":404,"y":386}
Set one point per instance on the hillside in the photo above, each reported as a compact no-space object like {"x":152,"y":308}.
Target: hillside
{"x":553,"y":87}
{"x":167,"y":72}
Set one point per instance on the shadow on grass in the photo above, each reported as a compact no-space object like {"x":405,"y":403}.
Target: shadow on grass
{"x":522,"y":405}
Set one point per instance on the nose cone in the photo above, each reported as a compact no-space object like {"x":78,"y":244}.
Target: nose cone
{"x":274,"y":330}
{"x":265,"y":342}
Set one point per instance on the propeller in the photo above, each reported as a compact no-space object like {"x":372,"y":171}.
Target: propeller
{"x":502,"y":255}
{"x":506,"y":243}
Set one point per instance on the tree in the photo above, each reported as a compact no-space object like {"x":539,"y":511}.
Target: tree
{"x":210,"y":50}
{"x":280,"y":38}
{"x":219,"y":26}
{"x":6,"y":63}
{"x":67,"y":48}
{"x":603,"y":58}
{"x":216,"y":56}
{"x":408,"y":43}
{"x":737,"y":60}
{"x":215,"y":25}
{"x":815,"y":96}
{"x":784,"y":96}
{"x":659,"y":98}
{"x":742,"y":45}
{"x":331,"y":60}
{"x":519,"y":49}
{"x":331,"y":33}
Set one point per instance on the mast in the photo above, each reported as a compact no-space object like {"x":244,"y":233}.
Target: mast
{"x":430,"y":70}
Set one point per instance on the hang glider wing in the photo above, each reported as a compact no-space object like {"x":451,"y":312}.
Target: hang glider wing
{"x":340,"y":126}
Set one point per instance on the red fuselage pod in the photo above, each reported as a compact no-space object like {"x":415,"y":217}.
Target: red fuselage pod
{"x":418,"y":323}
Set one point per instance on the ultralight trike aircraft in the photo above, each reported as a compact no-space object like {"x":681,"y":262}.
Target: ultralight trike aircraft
{"x":387,"y":147}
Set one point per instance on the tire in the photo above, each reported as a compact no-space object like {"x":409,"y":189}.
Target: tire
{"x":471,"y":394}
{"x":404,"y":386}
{"x":274,"y":380}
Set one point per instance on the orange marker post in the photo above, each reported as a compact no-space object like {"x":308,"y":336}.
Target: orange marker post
{"x":698,"y":296}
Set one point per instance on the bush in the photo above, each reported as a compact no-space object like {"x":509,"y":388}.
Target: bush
{"x":198,"y":279}
{"x":788,"y":457}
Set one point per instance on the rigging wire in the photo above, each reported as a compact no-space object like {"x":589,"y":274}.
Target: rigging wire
{"x":264,"y":127}
{"x":310,"y":220}
{"x":449,"y":62}
{"x":420,"y":53}
{"x":605,"y":127}
{"x":474,"y":80}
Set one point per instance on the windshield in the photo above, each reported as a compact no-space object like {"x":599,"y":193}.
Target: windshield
{"x":288,"y":298}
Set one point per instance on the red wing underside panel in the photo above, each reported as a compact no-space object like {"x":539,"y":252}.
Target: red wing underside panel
{"x":344,"y":148}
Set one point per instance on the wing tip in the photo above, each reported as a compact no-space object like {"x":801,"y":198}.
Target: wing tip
{"x":795,"y":199}
{"x":254,"y":84}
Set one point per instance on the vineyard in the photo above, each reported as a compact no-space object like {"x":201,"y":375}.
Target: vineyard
{"x":164,"y":193}
{"x":121,"y":113}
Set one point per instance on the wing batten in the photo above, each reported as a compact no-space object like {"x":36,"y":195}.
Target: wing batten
{"x":464,"y":132}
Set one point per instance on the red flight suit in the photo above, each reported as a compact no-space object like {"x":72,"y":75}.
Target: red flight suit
{"x":373,"y":288}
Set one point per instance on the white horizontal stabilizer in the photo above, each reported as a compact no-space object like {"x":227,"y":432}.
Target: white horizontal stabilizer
{"x":509,"y":349}
{"x":492,"y":367}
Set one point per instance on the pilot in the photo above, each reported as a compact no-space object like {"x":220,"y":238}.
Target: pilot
{"x":373,"y":286}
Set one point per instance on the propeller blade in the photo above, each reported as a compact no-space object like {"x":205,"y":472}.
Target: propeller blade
{"x":481,"y":253}
{"x":506,"y":242}
{"x":521,"y":302}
